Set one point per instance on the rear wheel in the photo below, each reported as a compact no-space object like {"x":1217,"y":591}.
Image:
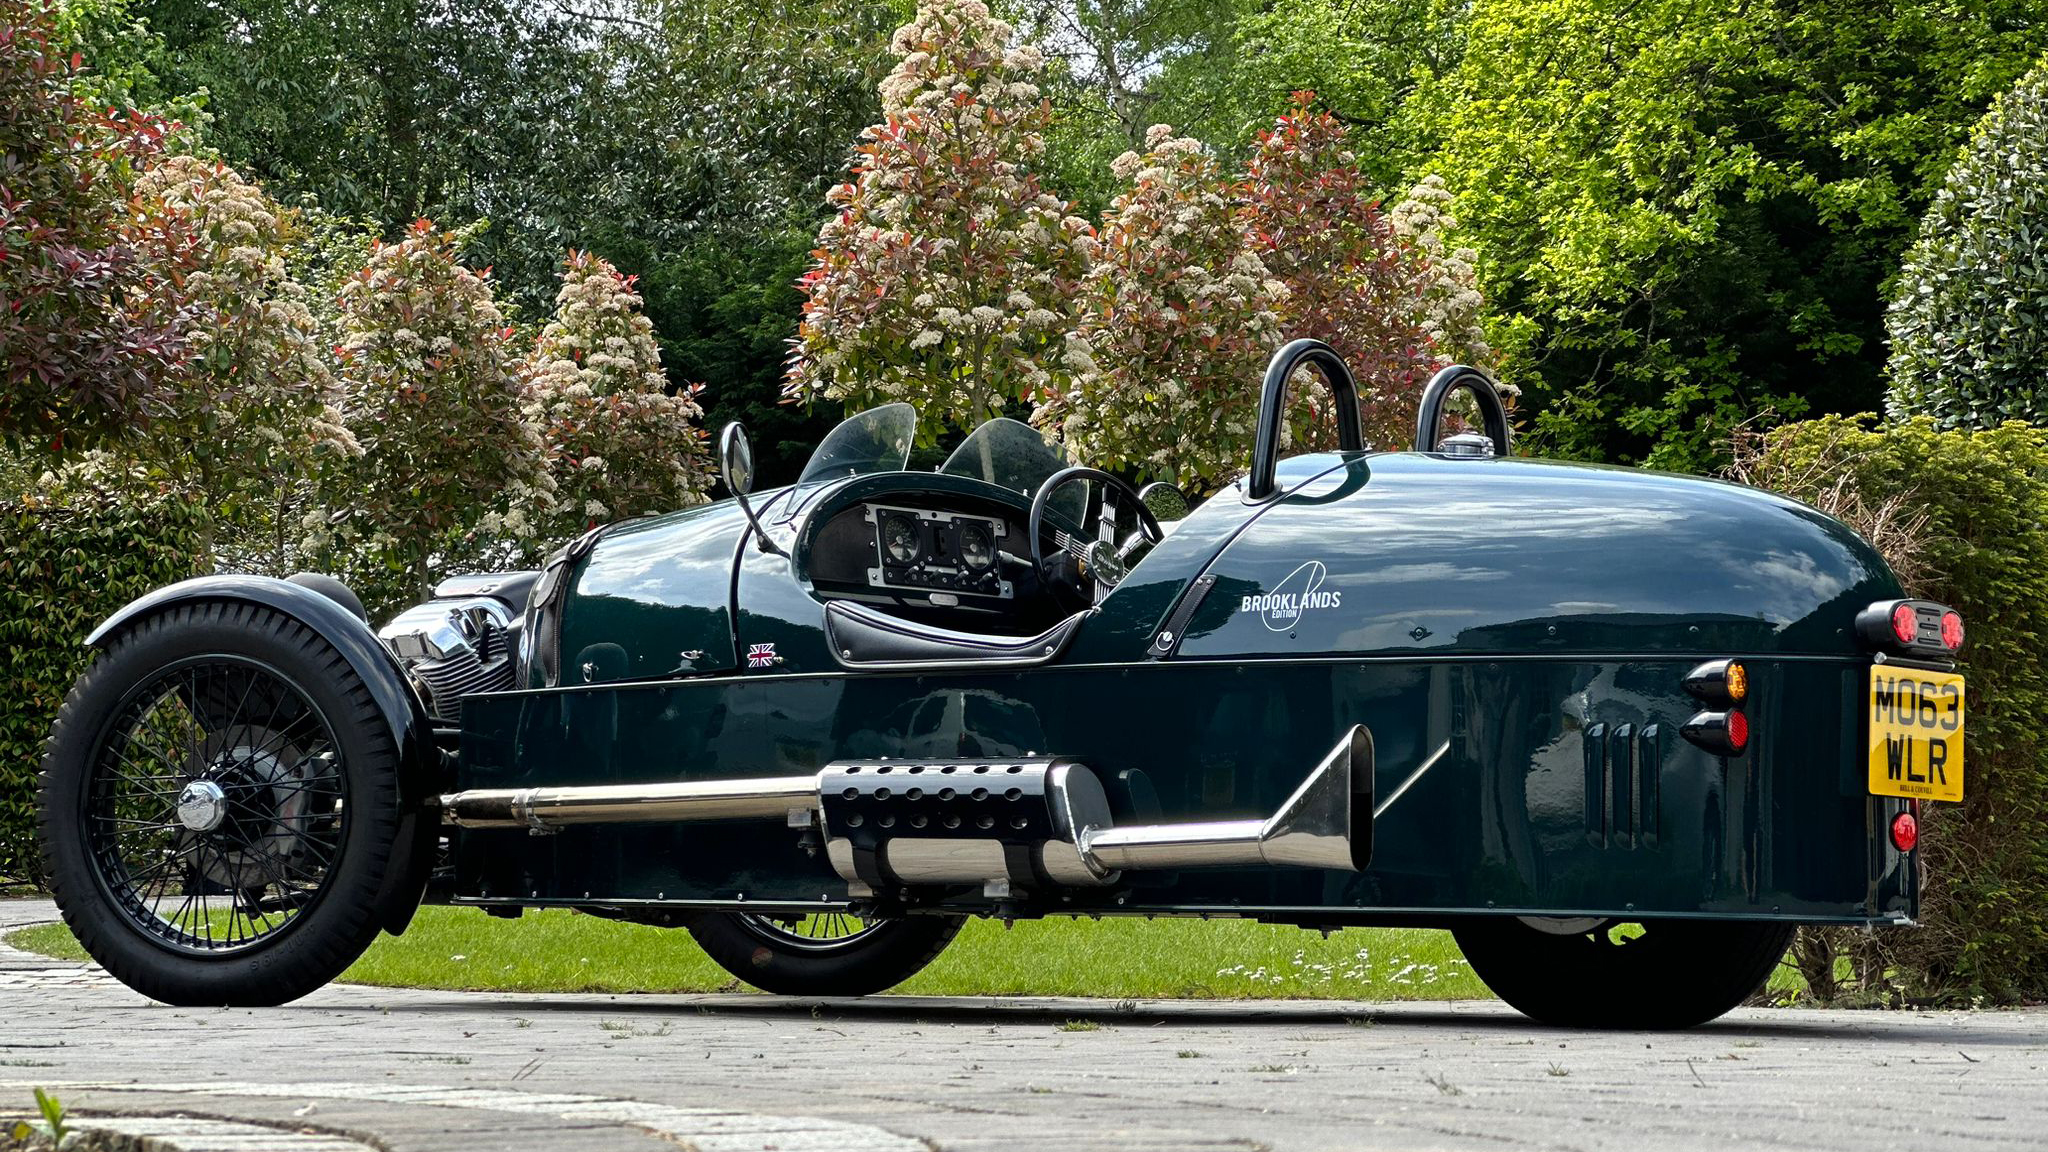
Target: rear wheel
{"x":217,"y":808}
{"x":826,"y":954}
{"x":1581,"y":974}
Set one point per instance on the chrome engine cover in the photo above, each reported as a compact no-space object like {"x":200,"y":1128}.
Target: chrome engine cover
{"x":456,"y":647}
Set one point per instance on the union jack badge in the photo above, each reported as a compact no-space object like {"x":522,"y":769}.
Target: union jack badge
{"x":762,"y":656}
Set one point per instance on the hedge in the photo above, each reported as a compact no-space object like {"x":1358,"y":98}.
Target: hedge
{"x":1961,"y":514}
{"x":63,"y":569}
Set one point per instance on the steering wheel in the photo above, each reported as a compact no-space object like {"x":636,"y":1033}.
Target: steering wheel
{"x":1102,"y":561}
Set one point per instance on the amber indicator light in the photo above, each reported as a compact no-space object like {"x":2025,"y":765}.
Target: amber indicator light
{"x":1721,"y":682}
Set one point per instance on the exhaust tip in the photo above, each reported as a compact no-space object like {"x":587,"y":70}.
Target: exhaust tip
{"x":1327,"y":823}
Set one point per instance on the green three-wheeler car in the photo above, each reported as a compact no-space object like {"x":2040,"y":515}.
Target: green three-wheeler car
{"x":1620,"y":732}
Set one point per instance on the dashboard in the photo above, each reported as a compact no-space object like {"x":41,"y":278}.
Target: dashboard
{"x":958,"y":558}
{"x":942,"y":553}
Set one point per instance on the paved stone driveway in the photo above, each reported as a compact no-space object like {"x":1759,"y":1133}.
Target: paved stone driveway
{"x":428,"y":1070}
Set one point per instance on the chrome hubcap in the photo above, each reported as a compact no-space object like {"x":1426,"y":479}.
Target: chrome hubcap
{"x":202,"y":806}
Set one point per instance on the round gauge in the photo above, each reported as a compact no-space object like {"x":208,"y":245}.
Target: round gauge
{"x":899,"y":538}
{"x":976,"y":548}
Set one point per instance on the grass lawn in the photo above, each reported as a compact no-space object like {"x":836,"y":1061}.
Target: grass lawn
{"x":562,"y":951}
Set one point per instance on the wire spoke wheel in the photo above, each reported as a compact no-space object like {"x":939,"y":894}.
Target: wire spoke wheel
{"x":817,"y":932}
{"x":215,"y":806}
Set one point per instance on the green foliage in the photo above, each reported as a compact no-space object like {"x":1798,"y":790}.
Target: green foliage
{"x":1686,"y":209}
{"x":1969,"y":319}
{"x":1982,"y":549}
{"x":124,"y":62}
{"x":66,"y":565}
{"x":52,"y":1125}
{"x":1222,"y":71}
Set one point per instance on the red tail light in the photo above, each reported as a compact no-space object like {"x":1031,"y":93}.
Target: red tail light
{"x":1905,"y":623}
{"x":1905,"y":831}
{"x":1952,"y":631}
{"x":1914,"y":629}
{"x":1722,"y":733}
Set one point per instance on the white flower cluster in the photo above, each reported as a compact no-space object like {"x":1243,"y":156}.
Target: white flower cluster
{"x":616,"y":443}
{"x":1178,"y":316}
{"x":1450,"y":280}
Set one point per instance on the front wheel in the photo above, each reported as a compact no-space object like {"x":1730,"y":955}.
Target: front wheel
{"x":827,"y":954}
{"x":217,"y":808}
{"x":1672,"y":974}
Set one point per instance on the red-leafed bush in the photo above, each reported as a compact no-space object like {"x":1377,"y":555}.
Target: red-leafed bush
{"x":84,"y":348}
{"x":426,"y":366}
{"x":1312,"y":219}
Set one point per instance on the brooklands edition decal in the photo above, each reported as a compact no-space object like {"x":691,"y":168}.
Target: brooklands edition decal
{"x":1293,"y":598}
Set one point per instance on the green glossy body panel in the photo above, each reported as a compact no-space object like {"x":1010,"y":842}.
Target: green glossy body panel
{"x":1514,"y":634}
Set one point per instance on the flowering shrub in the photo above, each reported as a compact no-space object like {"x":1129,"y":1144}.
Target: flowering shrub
{"x":431,"y":396}
{"x":1447,"y":277}
{"x":82,"y":355}
{"x":949,"y":276}
{"x":1350,"y":281}
{"x":1179,"y":315}
{"x":254,"y":402}
{"x":616,"y":442}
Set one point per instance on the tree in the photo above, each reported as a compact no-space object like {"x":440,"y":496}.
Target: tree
{"x":254,"y":402}
{"x":1686,"y":209}
{"x":1969,"y":319}
{"x":949,"y":276}
{"x":1179,"y":316}
{"x":430,"y":394}
{"x":1221,"y":71}
{"x":85,"y":347}
{"x":1350,"y":282}
{"x":616,"y":442}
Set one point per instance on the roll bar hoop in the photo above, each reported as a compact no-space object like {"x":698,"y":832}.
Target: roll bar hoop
{"x":1273,"y":409}
{"x":1429,"y":417}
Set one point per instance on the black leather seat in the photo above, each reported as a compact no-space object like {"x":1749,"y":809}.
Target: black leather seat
{"x":865,"y":638}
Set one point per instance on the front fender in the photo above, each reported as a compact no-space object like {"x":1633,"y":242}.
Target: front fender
{"x":419,"y":768}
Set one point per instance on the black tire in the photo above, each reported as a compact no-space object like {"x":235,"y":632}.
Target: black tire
{"x":1676,"y":974}
{"x":775,"y":958}
{"x":304,"y":808}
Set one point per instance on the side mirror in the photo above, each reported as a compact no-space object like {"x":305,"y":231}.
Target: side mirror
{"x":1164,"y":501}
{"x":736,"y":467}
{"x":736,"y":459}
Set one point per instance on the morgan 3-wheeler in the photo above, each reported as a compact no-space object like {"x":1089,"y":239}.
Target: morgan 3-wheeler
{"x":1620,"y":732}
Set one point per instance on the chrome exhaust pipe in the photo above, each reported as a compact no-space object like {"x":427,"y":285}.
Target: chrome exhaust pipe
{"x":545,"y":809}
{"x":1316,"y":828}
{"x":963,"y":822}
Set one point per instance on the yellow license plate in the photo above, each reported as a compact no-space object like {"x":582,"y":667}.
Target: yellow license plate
{"x":1916,"y":733}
